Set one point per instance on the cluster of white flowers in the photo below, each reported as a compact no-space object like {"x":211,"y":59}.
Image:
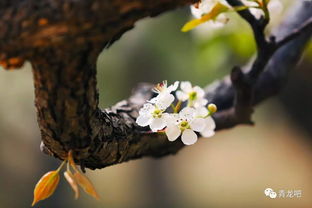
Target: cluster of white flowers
{"x":205,"y":6}
{"x":195,"y":117}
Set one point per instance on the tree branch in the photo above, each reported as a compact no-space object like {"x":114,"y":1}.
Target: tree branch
{"x":63,"y":49}
{"x":265,"y":82}
{"x":27,"y":27}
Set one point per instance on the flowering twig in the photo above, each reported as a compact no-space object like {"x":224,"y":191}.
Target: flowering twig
{"x":194,"y":117}
{"x":258,"y":80}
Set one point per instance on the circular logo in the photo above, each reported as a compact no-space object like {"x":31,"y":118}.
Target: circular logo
{"x":267,"y":191}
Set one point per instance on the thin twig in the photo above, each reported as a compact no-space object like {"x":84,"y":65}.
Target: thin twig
{"x":244,"y":83}
{"x":257,"y":25}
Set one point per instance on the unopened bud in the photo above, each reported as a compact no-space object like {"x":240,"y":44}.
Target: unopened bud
{"x":212,"y":108}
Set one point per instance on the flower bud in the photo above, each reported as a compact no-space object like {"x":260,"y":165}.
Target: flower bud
{"x":212,"y":108}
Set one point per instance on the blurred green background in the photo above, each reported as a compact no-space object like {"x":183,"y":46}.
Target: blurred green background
{"x":231,"y":169}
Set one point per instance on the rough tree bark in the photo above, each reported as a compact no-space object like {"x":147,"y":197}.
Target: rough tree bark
{"x":62,"y":41}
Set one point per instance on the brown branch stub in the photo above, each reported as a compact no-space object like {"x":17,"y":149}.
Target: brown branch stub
{"x":242,"y":109}
{"x":243,"y":96}
{"x":12,"y":63}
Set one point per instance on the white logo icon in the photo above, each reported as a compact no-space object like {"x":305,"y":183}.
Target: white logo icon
{"x":270,"y":193}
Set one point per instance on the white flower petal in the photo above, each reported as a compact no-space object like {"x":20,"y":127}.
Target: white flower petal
{"x":146,"y":109}
{"x":164,"y":101}
{"x":143,"y":120}
{"x":181,"y":95}
{"x":256,"y":12}
{"x":200,"y":102}
{"x":210,"y":123}
{"x":198,"y":124}
{"x":199,"y":91}
{"x":187,"y":113}
{"x":172,"y":132}
{"x":157,"y":124}
{"x":196,"y":12}
{"x":186,"y":86}
{"x":173,"y":87}
{"x":171,"y":119}
{"x":207,"y":133}
{"x":205,"y":6}
{"x":188,"y":137}
{"x":209,"y":128}
{"x":164,"y":83}
{"x":153,"y":100}
{"x":201,"y":111}
{"x":249,"y":3}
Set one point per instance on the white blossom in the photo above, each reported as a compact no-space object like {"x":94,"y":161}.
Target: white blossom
{"x":210,"y":126}
{"x":195,"y":95}
{"x":162,"y":87}
{"x":184,"y":123}
{"x":201,"y":8}
{"x":204,"y":7}
{"x":152,"y":116}
{"x":164,"y":99}
{"x":209,"y":123}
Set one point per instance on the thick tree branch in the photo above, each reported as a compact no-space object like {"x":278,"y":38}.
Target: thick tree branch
{"x":63,"y":48}
{"x":28,"y":26}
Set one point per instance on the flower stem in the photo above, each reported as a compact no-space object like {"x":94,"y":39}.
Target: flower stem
{"x":177,"y":107}
{"x":61,"y":166}
{"x":173,"y":107}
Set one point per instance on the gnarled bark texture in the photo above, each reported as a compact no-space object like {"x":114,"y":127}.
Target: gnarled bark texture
{"x":62,"y":40}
